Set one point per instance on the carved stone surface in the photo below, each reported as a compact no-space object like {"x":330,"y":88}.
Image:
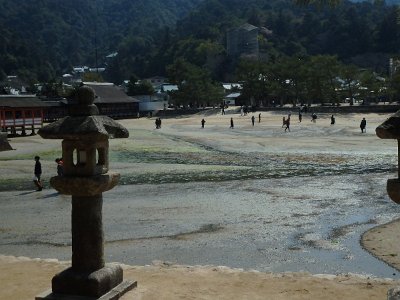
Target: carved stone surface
{"x":87,"y":233}
{"x":390,"y":129}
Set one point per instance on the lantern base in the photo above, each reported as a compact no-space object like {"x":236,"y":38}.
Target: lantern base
{"x":114,"y":294}
{"x":85,"y":186}
{"x":99,"y":284}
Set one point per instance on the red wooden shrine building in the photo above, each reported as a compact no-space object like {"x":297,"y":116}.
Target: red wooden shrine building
{"x":19,"y":113}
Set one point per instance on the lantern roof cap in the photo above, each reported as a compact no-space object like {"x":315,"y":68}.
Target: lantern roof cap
{"x":390,"y":129}
{"x":84,"y":121}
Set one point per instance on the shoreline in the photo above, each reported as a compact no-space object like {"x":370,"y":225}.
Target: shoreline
{"x":383,"y":242}
{"x":165,"y":281}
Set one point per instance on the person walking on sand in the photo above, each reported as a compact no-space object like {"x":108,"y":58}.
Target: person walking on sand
{"x":363,"y":125}
{"x":38,"y":174}
{"x":158,"y":123}
{"x":314,"y":117}
{"x":300,"y":116}
{"x":283,"y":122}
{"x":259,"y":118}
{"x":253,"y":120}
{"x":202,"y":123}
{"x":287,"y":123}
{"x":231,"y":123}
{"x":333,"y":121}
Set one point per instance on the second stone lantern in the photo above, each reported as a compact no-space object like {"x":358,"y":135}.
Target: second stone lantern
{"x":390,"y":129}
{"x":85,"y":146}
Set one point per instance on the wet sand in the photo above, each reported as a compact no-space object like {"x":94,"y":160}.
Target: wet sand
{"x":384,"y":242}
{"x":318,"y":151}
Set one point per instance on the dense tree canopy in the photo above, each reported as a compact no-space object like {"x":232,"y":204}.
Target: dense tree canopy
{"x":195,"y":87}
{"x":40,"y":40}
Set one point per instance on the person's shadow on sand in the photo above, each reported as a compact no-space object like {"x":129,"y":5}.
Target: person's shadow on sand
{"x":52,"y":195}
{"x":56,"y":194}
{"x":26,"y":193}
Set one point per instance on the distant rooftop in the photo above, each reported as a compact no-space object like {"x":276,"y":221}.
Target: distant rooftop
{"x":229,"y":86}
{"x":245,"y":26}
{"x":21,"y":101}
{"x":90,"y":83}
{"x":112,"y":55}
{"x":107,"y":92}
{"x":233,"y":95}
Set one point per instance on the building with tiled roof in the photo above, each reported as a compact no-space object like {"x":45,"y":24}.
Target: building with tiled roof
{"x":112,"y":101}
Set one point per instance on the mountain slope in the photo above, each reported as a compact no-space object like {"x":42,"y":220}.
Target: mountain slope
{"x":53,"y":35}
{"x":44,"y":38}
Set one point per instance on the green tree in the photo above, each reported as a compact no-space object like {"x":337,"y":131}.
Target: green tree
{"x":322,"y":75}
{"x":290,"y":76}
{"x":351,"y":85}
{"x":254,"y":76}
{"x":142,"y":87}
{"x":317,"y":2}
{"x":195,"y":87}
{"x":92,"y":77}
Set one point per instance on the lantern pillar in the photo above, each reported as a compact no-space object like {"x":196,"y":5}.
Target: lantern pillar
{"x":86,"y":176}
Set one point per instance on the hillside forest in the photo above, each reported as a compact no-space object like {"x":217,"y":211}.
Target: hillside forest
{"x":41,"y":40}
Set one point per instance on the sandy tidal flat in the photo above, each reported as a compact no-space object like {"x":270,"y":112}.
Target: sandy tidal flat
{"x":251,"y":197}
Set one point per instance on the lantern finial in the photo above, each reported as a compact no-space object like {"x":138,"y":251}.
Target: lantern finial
{"x":85,"y":97}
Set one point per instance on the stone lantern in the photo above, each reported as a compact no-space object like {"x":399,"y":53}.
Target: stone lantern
{"x":85,"y":145}
{"x":390,"y":129}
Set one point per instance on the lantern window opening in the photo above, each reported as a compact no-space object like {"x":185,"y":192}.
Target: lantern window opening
{"x":75,"y":157}
{"x":101,"y":156}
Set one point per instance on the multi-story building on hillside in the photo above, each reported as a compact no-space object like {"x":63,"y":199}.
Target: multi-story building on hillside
{"x":243,"y":41}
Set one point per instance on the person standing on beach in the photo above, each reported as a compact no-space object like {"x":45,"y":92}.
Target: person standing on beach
{"x":158,"y":123}
{"x":38,"y":174}
{"x":253,"y":120}
{"x":333,"y":121}
{"x":60,"y":166}
{"x":231,"y":123}
{"x":202,"y":123}
{"x":300,"y":116}
{"x":363,"y":125}
{"x":259,"y":118}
